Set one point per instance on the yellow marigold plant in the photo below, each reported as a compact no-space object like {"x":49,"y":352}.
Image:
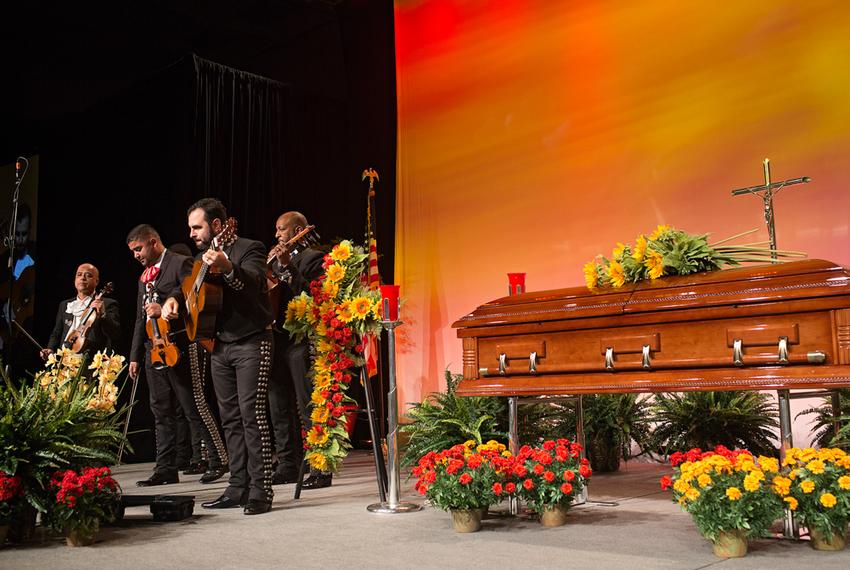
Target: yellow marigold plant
{"x":819,"y":486}
{"x":726,"y":490}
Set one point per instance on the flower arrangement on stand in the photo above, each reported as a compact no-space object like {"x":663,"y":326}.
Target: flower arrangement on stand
{"x":731,"y":495}
{"x":817,"y":489}
{"x":65,"y":417}
{"x":465,"y":480}
{"x":550,"y":476}
{"x":83,"y":501}
{"x":668,"y":251}
{"x":335,"y":316}
{"x":10,"y":502}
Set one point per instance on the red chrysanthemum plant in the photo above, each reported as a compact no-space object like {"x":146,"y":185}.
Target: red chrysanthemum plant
{"x":466,"y":476}
{"x":550,"y":475}
{"x":11,"y":497}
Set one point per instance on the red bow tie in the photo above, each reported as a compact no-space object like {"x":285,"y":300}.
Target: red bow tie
{"x":150,"y":274}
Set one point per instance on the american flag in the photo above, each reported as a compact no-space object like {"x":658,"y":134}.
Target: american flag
{"x":370,"y":342}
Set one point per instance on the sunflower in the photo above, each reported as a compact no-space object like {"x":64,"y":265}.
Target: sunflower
{"x":341,"y":251}
{"x":615,"y":272}
{"x":362,"y":307}
{"x":618,"y":251}
{"x":344,"y":311}
{"x":320,"y":415}
{"x":335,"y":273}
{"x":659,"y":231}
{"x":330,"y":288}
{"x":640,"y":249}
{"x":655,"y":264}
{"x":317,"y":438}
{"x":317,"y":461}
{"x":323,"y":381}
{"x":317,"y":398}
{"x":590,"y":275}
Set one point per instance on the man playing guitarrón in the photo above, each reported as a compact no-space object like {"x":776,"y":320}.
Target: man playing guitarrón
{"x":241,"y":359}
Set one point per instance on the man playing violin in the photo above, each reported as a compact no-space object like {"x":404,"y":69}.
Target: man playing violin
{"x":104,"y":326}
{"x":294,"y":268}
{"x":241,"y":358}
{"x":170,"y":387}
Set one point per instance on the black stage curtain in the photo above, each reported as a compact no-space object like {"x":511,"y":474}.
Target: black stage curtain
{"x":237,"y":143}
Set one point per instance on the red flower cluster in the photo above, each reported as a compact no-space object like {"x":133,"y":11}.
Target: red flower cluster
{"x":697,"y":454}
{"x":70,"y":486}
{"x":10,"y":487}
{"x":549,"y":474}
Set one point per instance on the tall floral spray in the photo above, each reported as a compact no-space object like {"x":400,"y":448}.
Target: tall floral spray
{"x":335,"y":316}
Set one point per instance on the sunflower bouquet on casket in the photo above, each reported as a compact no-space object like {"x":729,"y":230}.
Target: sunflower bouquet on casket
{"x":668,"y":251}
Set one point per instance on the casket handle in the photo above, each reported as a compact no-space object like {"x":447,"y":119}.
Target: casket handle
{"x":783,"y":350}
{"x":609,"y":358}
{"x":646,"y":360}
{"x":738,"y":352}
{"x":503,"y":364}
{"x":532,"y":363}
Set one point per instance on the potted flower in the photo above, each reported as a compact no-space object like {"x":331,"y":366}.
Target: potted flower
{"x":465,"y":480}
{"x":818,"y":491}
{"x":729,"y":494}
{"x":10,"y":499}
{"x":82,"y":502}
{"x":549,"y":477}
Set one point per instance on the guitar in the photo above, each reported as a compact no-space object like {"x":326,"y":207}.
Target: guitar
{"x":204,"y":299}
{"x":76,"y":337}
{"x":164,"y":353}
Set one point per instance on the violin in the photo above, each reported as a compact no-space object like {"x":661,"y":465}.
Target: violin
{"x":164,"y":353}
{"x":305,"y":238}
{"x":76,"y":338}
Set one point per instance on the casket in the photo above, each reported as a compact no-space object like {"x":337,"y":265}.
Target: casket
{"x":779,"y":326}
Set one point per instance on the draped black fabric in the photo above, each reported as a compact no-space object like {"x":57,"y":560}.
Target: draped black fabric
{"x":237,"y":143}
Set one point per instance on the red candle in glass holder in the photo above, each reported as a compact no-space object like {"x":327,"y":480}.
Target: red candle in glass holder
{"x":516,"y":283}
{"x":389,"y":296}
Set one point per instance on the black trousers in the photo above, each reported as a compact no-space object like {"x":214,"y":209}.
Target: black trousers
{"x":170,"y":395}
{"x":289,"y":396}
{"x":240,"y":373}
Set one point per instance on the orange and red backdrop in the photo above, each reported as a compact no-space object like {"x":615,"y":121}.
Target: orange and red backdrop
{"x":534,"y":135}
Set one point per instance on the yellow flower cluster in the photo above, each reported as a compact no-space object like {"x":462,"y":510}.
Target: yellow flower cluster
{"x":695,"y":475}
{"x":626,"y":262}
{"x":63,"y":369}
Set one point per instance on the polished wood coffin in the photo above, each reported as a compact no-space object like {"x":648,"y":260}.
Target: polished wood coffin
{"x":779,"y":326}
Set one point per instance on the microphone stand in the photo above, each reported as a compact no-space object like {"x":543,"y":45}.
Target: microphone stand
{"x":10,"y":240}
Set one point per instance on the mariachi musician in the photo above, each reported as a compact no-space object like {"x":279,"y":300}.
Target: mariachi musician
{"x":103,"y":326}
{"x":241,"y":356}
{"x":166,"y":372}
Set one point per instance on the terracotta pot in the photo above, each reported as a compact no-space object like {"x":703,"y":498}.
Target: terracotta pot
{"x":554,"y":515}
{"x":4,"y":530}
{"x":731,"y":543}
{"x":821,"y":541}
{"x":76,"y":538}
{"x":466,"y":520}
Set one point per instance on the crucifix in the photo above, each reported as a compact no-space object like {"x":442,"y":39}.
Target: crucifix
{"x":767,"y":191}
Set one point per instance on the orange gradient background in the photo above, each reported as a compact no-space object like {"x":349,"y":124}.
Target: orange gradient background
{"x":534,"y":135}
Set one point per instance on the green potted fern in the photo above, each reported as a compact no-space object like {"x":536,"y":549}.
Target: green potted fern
{"x":823,"y":422}
{"x":737,"y":420}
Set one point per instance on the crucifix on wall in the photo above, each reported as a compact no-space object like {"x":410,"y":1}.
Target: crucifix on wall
{"x":767,"y":191}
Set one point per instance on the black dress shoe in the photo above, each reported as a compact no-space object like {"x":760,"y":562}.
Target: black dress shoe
{"x":224,"y":502}
{"x":285,"y":477}
{"x":159,"y":479}
{"x":196,"y":468}
{"x":257,"y":507}
{"x":213,"y":474}
{"x":319,"y":481}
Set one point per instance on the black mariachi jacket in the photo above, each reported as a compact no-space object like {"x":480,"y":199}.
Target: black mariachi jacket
{"x":172,"y":271}
{"x":103,"y":334}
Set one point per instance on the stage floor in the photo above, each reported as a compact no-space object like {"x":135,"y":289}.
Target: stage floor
{"x":332,"y":528}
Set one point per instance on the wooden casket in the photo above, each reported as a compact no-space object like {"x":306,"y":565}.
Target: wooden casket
{"x":780,"y":326}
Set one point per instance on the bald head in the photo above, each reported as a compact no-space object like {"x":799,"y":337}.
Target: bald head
{"x":288,"y":225}
{"x":86,"y":279}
